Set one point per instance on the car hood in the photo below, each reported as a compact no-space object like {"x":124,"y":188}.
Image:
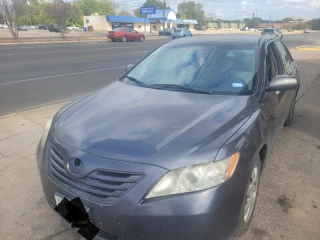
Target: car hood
{"x":151,"y":126}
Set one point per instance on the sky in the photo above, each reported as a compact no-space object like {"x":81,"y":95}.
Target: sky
{"x":239,"y":9}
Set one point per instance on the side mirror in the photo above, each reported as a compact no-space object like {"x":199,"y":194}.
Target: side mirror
{"x":283,"y":83}
{"x":128,"y":68}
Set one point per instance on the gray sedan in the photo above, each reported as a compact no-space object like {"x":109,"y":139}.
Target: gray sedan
{"x":181,"y":32}
{"x":175,"y":148}
{"x":275,"y":32}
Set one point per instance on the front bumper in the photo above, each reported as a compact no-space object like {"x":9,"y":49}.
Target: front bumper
{"x":204,"y":215}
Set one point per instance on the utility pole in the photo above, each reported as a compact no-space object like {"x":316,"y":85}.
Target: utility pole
{"x":256,"y":21}
{"x":164,"y":7}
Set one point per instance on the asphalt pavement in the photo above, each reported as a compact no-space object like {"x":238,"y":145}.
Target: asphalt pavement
{"x":35,"y":75}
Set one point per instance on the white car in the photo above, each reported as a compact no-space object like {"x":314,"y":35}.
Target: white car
{"x":73,"y":27}
{"x":307,"y":31}
{"x":3,"y":26}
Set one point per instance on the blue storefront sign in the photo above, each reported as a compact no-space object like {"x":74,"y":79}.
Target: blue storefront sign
{"x":147,"y":10}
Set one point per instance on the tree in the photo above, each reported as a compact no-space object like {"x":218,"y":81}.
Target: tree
{"x":192,"y":10}
{"x":12,"y":10}
{"x":315,"y":24}
{"x":124,"y":12}
{"x":286,"y":20}
{"x":60,"y":11}
{"x":156,"y":3}
{"x":102,"y":7}
{"x":301,"y":26}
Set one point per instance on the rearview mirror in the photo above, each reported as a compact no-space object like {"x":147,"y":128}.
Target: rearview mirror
{"x":128,"y":67}
{"x":283,"y":83}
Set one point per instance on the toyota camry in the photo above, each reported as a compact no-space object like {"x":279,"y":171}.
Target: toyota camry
{"x":175,"y":148}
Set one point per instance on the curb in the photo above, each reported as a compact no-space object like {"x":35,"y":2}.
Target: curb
{"x":70,"y":41}
{"x":36,"y":109}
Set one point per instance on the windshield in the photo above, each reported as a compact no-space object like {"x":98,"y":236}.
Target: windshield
{"x":268,"y":30}
{"x":220,"y":70}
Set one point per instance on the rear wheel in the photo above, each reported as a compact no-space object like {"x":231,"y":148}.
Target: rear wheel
{"x":250,"y":199}
{"x":141,"y":39}
{"x":113,"y":40}
{"x":123,"y":39}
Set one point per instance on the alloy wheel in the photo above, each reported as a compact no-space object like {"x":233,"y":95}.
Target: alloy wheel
{"x":251,"y":194}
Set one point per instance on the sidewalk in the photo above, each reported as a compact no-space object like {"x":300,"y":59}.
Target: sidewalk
{"x":288,"y":205}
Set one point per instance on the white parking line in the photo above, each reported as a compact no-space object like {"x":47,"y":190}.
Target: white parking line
{"x":61,"y":75}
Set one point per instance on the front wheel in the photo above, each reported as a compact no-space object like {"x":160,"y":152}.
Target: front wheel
{"x":123,"y":39}
{"x":250,"y":199}
{"x":141,"y":39}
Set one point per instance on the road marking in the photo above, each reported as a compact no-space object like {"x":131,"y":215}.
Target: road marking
{"x":308,"y":48}
{"x":61,"y":75}
{"x":70,"y":50}
{"x":308,"y":61}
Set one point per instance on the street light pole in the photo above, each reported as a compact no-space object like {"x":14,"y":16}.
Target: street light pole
{"x":164,"y":6}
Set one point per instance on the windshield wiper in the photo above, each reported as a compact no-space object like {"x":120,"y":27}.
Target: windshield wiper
{"x":135,"y":80}
{"x":179,"y":87}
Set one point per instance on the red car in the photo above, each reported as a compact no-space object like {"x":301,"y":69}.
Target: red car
{"x":125,"y":34}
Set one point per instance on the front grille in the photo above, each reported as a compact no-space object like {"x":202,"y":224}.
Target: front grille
{"x":100,"y":186}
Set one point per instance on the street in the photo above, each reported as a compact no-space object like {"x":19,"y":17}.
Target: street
{"x":35,"y":75}
{"x":48,"y":75}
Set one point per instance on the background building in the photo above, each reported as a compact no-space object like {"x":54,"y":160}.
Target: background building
{"x":109,"y":22}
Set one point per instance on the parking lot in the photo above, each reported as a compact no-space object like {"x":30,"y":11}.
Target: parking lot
{"x":37,"y":80}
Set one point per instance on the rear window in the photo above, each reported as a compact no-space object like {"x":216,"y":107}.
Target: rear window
{"x":268,"y":30}
{"x":177,"y":31}
{"x":117,"y":29}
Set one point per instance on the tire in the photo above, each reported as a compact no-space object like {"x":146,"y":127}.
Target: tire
{"x":246,"y":216}
{"x":281,"y":37}
{"x":113,"y":40}
{"x":141,"y":39}
{"x":289,"y":118}
{"x":123,"y":39}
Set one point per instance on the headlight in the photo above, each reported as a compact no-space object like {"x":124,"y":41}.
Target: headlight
{"x":45,"y":132}
{"x":195,"y":178}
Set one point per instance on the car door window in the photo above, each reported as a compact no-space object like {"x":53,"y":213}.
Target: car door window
{"x":283,"y":52}
{"x":271,"y":64}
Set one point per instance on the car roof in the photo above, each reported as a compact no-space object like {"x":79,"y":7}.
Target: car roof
{"x":222,"y":39}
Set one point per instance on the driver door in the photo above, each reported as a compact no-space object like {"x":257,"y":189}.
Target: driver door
{"x":275,"y":100}
{"x":128,"y":34}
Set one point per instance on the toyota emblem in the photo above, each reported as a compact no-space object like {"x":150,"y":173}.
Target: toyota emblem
{"x":75,"y":167}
